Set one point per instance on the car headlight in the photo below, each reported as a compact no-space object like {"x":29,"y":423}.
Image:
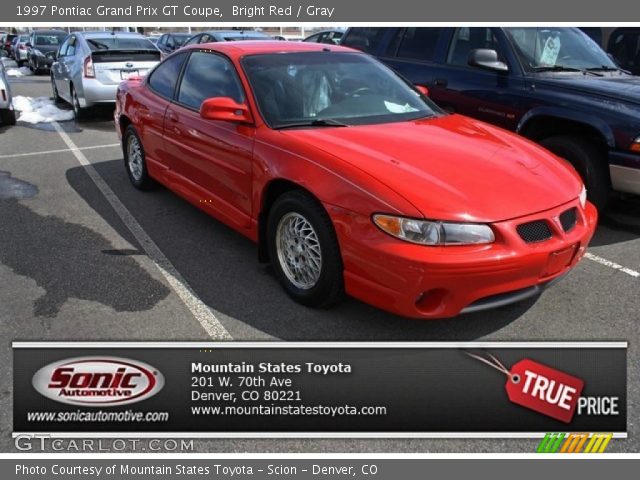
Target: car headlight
{"x":583,"y":196}
{"x":428,"y":232}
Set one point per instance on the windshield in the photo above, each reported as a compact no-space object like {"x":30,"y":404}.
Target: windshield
{"x":119,"y":43}
{"x":539,"y":48}
{"x":50,"y":39}
{"x":349,"y":88}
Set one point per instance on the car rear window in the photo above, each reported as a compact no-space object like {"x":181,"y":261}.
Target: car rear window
{"x":52,"y":39}
{"x":119,"y":43}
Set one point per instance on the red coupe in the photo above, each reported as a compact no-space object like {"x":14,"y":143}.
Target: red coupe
{"x":351,"y":180}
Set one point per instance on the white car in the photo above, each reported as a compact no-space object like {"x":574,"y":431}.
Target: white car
{"x":7,"y":113}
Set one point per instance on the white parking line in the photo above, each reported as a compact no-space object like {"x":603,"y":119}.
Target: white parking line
{"x":200,"y":311}
{"x":62,"y":150}
{"x":610,"y":264}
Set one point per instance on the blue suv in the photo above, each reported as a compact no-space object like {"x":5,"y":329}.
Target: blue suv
{"x":553,"y":85}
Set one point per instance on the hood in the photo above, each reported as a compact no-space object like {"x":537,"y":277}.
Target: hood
{"x":611,"y":85}
{"x":452,"y":167}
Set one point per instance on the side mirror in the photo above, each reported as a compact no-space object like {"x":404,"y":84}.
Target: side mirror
{"x":225,"y":109}
{"x":423,"y":90}
{"x":488,"y":59}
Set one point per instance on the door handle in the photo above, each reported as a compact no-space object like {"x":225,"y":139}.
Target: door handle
{"x":172,"y":117}
{"x":440,"y":82}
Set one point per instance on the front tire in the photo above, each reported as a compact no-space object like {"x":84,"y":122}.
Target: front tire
{"x":134,"y":160}
{"x":304,"y":250}
{"x":590,"y":164}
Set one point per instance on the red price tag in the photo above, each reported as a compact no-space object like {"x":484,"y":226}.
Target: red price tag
{"x":544,"y":389}
{"x":539,"y":387}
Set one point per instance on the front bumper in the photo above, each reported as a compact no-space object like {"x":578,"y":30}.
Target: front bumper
{"x":438,"y":282}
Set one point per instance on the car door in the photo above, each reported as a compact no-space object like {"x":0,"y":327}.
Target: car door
{"x":213,"y":158}
{"x":488,"y":95}
{"x":153,"y":101}
{"x":63,"y":67}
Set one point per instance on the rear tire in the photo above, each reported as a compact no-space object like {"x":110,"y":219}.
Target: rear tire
{"x":79,"y":112}
{"x":304,"y":250}
{"x":7,"y":117}
{"x":134,"y":160}
{"x":590,"y":164}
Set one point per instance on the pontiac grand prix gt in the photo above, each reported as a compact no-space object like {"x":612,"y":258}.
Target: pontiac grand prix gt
{"x":350,"y":180}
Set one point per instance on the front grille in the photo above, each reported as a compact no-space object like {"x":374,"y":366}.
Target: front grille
{"x":532,"y":232}
{"x":568,"y":219}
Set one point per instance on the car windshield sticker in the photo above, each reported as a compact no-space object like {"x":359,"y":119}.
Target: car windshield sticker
{"x":550,"y":51}
{"x":396,"y":108}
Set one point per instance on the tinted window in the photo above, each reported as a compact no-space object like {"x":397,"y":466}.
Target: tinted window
{"x":208,"y":75}
{"x":466,"y":39}
{"x":365,"y":39}
{"x":419,"y":43}
{"x":164,"y":78}
{"x":313,"y":38}
{"x":625,"y":47}
{"x":52,"y":39}
{"x":119,"y":43}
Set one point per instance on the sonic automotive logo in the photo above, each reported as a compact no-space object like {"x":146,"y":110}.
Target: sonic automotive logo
{"x":98,"y":381}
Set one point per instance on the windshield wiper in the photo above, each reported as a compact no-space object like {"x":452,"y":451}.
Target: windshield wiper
{"x":606,"y":68}
{"x":564,"y":68}
{"x":319,"y":122}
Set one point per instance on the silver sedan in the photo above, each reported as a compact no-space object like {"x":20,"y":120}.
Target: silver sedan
{"x":89,"y":66}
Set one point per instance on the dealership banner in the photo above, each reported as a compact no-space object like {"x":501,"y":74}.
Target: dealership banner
{"x":490,"y":389}
{"x":317,"y":12}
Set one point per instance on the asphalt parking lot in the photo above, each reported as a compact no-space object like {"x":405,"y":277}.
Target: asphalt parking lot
{"x":84,"y":256}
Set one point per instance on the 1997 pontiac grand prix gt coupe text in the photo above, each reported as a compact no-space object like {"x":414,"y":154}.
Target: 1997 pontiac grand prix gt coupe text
{"x":350,"y":180}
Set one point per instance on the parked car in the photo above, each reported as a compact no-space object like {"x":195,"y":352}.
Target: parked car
{"x":90,"y":65}
{"x":349,"y":179}
{"x":7,"y":113}
{"x":169,"y":42}
{"x":42,"y":47}
{"x":226,"y":36}
{"x":19,"y":49}
{"x":331,"y":37}
{"x":7,"y":40}
{"x":555,"y":86}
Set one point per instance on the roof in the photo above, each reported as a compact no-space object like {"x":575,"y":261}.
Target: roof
{"x":261,"y":47}
{"x":107,"y":33}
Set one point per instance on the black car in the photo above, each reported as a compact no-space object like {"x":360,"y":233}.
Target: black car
{"x":169,"y":42}
{"x":42,"y":47}
{"x":553,"y":85}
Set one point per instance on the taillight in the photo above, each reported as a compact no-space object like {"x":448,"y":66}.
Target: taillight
{"x":22,"y":47}
{"x":89,"y":72}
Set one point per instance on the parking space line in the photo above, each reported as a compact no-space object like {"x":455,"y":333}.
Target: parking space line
{"x":199,"y":309}
{"x":62,"y":150}
{"x":610,"y":264}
